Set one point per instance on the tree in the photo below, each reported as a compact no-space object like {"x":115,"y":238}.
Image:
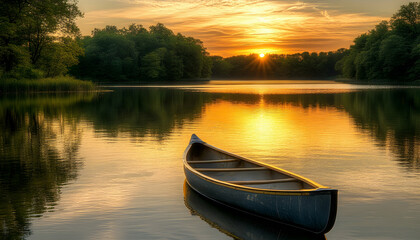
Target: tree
{"x":59,"y":56}
{"x":135,"y":53}
{"x":220,"y":67}
{"x":31,"y":26}
{"x":406,"y":22}
{"x":152,"y":65}
{"x":394,"y":54}
{"x":387,"y":52}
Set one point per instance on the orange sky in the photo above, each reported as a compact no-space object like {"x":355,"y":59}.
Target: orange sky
{"x":248,"y":26}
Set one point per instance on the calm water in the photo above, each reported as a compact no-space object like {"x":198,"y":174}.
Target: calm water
{"x":108,"y":165}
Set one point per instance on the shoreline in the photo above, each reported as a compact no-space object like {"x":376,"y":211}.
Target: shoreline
{"x":66,"y":84}
{"x":46,"y":85}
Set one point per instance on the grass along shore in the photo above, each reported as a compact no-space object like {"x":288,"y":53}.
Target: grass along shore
{"x":56,"y":84}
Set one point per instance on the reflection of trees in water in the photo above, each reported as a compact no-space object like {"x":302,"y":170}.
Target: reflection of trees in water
{"x":37,"y":156}
{"x":142,"y":111}
{"x":392,"y":117}
{"x":40,"y":135}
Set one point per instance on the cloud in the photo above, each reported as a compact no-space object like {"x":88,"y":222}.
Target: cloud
{"x":243,"y":26}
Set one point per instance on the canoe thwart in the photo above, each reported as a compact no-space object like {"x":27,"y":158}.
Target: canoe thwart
{"x":214,"y":161}
{"x":264,"y":181}
{"x":230,"y":169}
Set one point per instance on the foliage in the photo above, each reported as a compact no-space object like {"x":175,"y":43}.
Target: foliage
{"x":63,"y":54}
{"x":390,"y":51}
{"x":32,"y":31}
{"x":135,"y":53}
{"x":63,"y":84}
{"x":273,"y":66}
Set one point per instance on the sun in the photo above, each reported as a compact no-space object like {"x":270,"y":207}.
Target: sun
{"x":262,"y":55}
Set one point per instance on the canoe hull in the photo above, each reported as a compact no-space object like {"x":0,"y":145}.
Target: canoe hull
{"x":240,"y":224}
{"x":311,"y":210}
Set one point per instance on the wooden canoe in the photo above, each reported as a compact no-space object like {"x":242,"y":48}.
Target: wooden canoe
{"x":259,"y":188}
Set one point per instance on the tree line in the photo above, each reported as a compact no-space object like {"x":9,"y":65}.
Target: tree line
{"x":41,"y":39}
{"x":278,"y":66}
{"x":135,"y":53}
{"x":390,"y":51}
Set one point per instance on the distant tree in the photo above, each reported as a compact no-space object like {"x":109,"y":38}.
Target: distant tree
{"x":174,"y":65}
{"x":152,"y":67}
{"x":414,"y":72}
{"x":220,"y":67}
{"x":59,"y":56}
{"x":393,"y":55}
{"x":273,"y":66}
{"x":406,"y":22}
{"x":135,"y":53}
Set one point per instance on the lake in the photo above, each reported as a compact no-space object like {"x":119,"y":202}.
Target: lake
{"x":108,"y":165}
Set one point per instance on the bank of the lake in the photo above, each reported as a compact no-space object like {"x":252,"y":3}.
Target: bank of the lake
{"x":56,"y":84}
{"x":377,"y":82}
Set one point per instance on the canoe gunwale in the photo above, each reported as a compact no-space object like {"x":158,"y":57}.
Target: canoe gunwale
{"x":318,"y":189}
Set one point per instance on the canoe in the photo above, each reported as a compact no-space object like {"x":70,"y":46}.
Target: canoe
{"x":259,"y":188}
{"x":239,"y":224}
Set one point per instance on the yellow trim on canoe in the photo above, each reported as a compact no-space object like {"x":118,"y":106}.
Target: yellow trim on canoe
{"x":303,"y":192}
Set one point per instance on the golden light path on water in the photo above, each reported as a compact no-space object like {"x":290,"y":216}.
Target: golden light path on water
{"x":135,"y":182}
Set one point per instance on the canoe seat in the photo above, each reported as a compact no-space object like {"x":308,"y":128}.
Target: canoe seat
{"x":264,"y":181}
{"x":214,"y":161}
{"x":230,"y":169}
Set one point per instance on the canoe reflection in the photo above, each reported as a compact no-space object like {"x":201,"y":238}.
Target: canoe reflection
{"x":237,"y":224}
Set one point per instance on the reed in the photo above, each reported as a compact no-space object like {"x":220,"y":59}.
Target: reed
{"x":56,"y":84}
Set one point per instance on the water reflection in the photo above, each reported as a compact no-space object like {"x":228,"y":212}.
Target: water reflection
{"x":391,"y":116}
{"x":37,"y":156}
{"x":143,"y":111}
{"x":240,"y":225}
{"x":42,"y":136}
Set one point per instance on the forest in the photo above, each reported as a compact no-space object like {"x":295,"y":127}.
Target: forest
{"x":135,"y":53}
{"x":40,"y":39}
{"x":274,"y":66}
{"x":390,"y":51}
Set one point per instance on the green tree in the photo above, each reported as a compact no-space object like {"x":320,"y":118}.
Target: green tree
{"x":394,"y":53}
{"x":388,"y":51}
{"x":406,"y":22}
{"x":152,"y":67}
{"x":31,"y":27}
{"x":135,"y":53}
{"x":59,"y":56}
{"x":220,"y":67}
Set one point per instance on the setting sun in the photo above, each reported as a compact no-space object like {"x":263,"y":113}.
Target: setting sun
{"x":262,"y":55}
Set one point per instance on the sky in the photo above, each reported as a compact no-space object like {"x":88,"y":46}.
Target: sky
{"x":236,"y":27}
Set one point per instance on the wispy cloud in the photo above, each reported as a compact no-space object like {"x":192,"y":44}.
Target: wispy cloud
{"x":243,"y":26}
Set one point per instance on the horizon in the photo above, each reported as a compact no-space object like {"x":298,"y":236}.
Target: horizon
{"x":243,"y":27}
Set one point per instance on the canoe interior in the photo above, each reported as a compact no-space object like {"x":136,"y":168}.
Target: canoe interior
{"x":225,"y":167}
